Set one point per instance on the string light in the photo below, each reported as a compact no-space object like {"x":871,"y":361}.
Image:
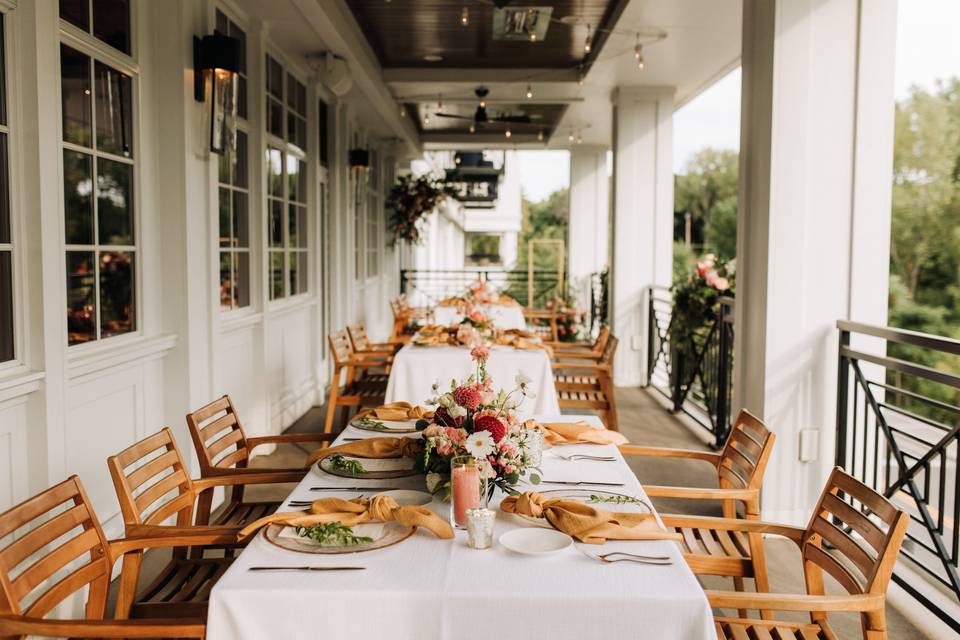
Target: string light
{"x":473,"y":128}
{"x":440,"y":102}
{"x":570,"y":138}
{"x":529,"y":92}
{"x":540,"y":135}
{"x":588,"y":43}
{"x":403,"y":111}
{"x":579,"y":138}
{"x":638,"y":53}
{"x":483,"y":103}
{"x":640,"y":63}
{"x":426,"y":119}
{"x":465,"y":17}
{"x":533,"y":36}
{"x":507,"y":133}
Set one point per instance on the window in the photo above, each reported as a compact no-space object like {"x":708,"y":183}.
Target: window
{"x":107,"y":20}
{"x":234,"y":195}
{"x":287,"y":232}
{"x":6,"y":239}
{"x":323,"y":133}
{"x":374,"y":215}
{"x":98,"y":165}
{"x":483,"y":249}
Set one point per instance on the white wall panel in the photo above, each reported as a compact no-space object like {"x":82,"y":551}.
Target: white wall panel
{"x":289,"y":365}
{"x":13,"y":461}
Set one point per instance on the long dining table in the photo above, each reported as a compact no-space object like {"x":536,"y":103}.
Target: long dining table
{"x":426,"y":588}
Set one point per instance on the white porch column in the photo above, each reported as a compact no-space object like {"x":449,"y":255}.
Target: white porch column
{"x":814,"y":226}
{"x":589,"y":223}
{"x":642,"y":228}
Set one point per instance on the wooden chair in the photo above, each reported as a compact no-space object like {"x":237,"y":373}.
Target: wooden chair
{"x":152,"y":486}
{"x":740,"y":469}
{"x":360,"y":342}
{"x":34,"y":578}
{"x":223,"y":449}
{"x":592,"y":351}
{"x":535,"y":318}
{"x":588,"y":385}
{"x":855,"y":545}
{"x":405,"y":320}
{"x":363,"y":385}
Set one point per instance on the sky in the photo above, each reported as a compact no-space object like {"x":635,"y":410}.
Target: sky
{"x":927,"y":49}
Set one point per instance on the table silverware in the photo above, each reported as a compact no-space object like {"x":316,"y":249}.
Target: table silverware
{"x":305,"y":568}
{"x":583,"y":456}
{"x":621,"y":556}
{"x":582,"y":482}
{"x":377,"y":489}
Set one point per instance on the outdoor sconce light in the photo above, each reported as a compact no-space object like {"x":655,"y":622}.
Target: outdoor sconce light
{"x":359,"y":159}
{"x":218,"y":57}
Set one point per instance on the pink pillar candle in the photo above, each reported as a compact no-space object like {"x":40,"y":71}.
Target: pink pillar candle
{"x":466,"y":491}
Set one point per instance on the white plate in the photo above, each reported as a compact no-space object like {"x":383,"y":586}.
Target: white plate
{"x":409,"y":496}
{"x":535,"y":541}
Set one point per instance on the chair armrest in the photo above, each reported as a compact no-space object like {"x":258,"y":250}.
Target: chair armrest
{"x":151,"y":536}
{"x":360,"y":362}
{"x":666,"y":452}
{"x":734,"y":524}
{"x":14,"y":625}
{"x":290,"y":438}
{"x":793,"y":602}
{"x":698,"y":493}
{"x":247,"y":476}
{"x":585,"y":366}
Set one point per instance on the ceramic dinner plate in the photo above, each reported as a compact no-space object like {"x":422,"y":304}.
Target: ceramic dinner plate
{"x":535,"y":542}
{"x":408,"y":497}
{"x":374,"y":468}
{"x":593,"y":497}
{"x":384,"y":534}
{"x":385,"y":426}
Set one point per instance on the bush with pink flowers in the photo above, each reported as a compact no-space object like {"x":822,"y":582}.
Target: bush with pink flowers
{"x":696,"y":301}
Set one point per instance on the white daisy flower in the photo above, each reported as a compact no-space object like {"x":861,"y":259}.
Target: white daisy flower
{"x":479,"y":444}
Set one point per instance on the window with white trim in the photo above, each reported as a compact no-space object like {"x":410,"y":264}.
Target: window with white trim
{"x":374,"y":211}
{"x":98,"y":176}
{"x":234,"y":193}
{"x":6,"y":236}
{"x":107,"y":20}
{"x":287,"y":229}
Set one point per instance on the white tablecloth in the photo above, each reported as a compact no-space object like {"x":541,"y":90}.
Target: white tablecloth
{"x":425,"y":588}
{"x":416,"y":368}
{"x":503,"y":316}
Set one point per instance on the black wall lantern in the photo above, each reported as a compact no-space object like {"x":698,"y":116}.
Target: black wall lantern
{"x":218,"y":57}
{"x":359,"y":158}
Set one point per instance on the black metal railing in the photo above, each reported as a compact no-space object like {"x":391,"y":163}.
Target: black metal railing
{"x":599,"y":300}
{"x":696,"y":376}
{"x":427,"y":287}
{"x":898,"y":431}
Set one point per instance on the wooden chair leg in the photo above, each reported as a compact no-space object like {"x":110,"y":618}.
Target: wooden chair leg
{"x":331,"y":406}
{"x":129,"y":576}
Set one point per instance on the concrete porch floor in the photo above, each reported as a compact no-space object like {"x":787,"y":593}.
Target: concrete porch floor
{"x":645,"y":420}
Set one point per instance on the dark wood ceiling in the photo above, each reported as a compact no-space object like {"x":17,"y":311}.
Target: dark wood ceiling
{"x":403,"y":32}
{"x":543,"y":117}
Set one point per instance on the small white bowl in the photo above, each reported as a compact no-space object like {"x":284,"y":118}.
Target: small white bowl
{"x":535,"y":542}
{"x":408,"y":497}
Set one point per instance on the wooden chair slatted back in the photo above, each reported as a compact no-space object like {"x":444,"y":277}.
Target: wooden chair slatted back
{"x":744,"y":457}
{"x":151,"y":481}
{"x":863,"y":537}
{"x":61,"y":525}
{"x":602,"y":338}
{"x":358,"y":337}
{"x":218,"y":436}
{"x":610,"y":350}
{"x":340,"y":347}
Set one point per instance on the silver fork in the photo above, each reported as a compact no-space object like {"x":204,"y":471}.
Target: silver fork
{"x":627,"y":557}
{"x":583,"y":456}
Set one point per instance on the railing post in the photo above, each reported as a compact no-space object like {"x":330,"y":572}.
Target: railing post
{"x":651,"y":327}
{"x":843,"y":389}
{"x":723,"y":372}
{"x":403,"y":281}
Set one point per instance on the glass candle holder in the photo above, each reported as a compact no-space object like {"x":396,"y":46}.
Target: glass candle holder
{"x":468,"y":488}
{"x":480,"y":528}
{"x":534,"y":442}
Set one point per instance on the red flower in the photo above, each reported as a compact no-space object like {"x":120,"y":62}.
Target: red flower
{"x":491,"y":424}
{"x":467,"y":397}
{"x":442,"y":417}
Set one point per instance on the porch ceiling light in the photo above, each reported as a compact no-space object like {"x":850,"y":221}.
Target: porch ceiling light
{"x":359,"y":159}
{"x":218,"y":57}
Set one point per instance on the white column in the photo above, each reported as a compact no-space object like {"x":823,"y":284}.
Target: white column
{"x":814,"y":225}
{"x":588,"y":229}
{"x":642,"y":228}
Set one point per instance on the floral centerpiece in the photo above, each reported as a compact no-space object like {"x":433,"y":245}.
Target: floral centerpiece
{"x":473,"y":418}
{"x":695,"y":300}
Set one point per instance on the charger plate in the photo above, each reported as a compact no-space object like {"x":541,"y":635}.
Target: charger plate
{"x":374,"y":468}
{"x":389,"y":534}
{"x":595,"y":498}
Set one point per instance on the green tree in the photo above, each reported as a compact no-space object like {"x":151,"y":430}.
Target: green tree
{"x":547,"y":219}
{"x":707,"y":192}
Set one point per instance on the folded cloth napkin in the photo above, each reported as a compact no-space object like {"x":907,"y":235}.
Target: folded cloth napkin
{"x":356,"y":511}
{"x":507,"y":301}
{"x":371,"y":448}
{"x":453,"y":301}
{"x":526,"y":343}
{"x":522,"y":333}
{"x":396,"y":411}
{"x":434,"y":338}
{"x":585,"y":523}
{"x":576,"y":432}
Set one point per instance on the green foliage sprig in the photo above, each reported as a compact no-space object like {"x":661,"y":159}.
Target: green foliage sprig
{"x":615,"y":499}
{"x":332,"y":534}
{"x":346,"y":464}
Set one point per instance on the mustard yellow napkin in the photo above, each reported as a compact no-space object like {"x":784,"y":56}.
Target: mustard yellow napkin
{"x":356,"y":511}
{"x":434,"y":339}
{"x":577,"y":432}
{"x":396,"y":411}
{"x":507,"y":301}
{"x":585,"y":523}
{"x":453,"y":301}
{"x":372,"y":448}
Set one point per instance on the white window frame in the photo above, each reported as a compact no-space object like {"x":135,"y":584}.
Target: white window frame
{"x":288,"y":150}
{"x":9,"y":130}
{"x":374,"y":212}
{"x":99,"y":51}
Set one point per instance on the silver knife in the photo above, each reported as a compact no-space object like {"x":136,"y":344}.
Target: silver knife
{"x":571,"y":482}
{"x":304,"y":568}
{"x":352,"y":488}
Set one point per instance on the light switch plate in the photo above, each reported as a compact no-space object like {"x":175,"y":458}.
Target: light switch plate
{"x":636,"y":342}
{"x":809,"y":445}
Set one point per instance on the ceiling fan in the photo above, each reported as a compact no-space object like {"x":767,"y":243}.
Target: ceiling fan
{"x":481,"y":118}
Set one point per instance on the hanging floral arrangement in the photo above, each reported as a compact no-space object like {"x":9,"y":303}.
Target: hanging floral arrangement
{"x":695,"y":301}
{"x":410,"y":200}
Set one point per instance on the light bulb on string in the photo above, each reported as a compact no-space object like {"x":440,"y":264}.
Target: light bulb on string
{"x":440,"y":102}
{"x":426,"y":119}
{"x":403,"y":111}
{"x":473,"y":128}
{"x":579,"y":138}
{"x":588,"y":43}
{"x":507,"y":133}
{"x":533,"y":36}
{"x":570,"y":138}
{"x":483,"y":103}
{"x":529,"y":92}
{"x":540,"y":135}
{"x":464,"y":17}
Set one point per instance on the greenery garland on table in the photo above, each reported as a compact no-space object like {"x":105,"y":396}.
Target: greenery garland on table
{"x":696,"y":300}
{"x":410,"y":200}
